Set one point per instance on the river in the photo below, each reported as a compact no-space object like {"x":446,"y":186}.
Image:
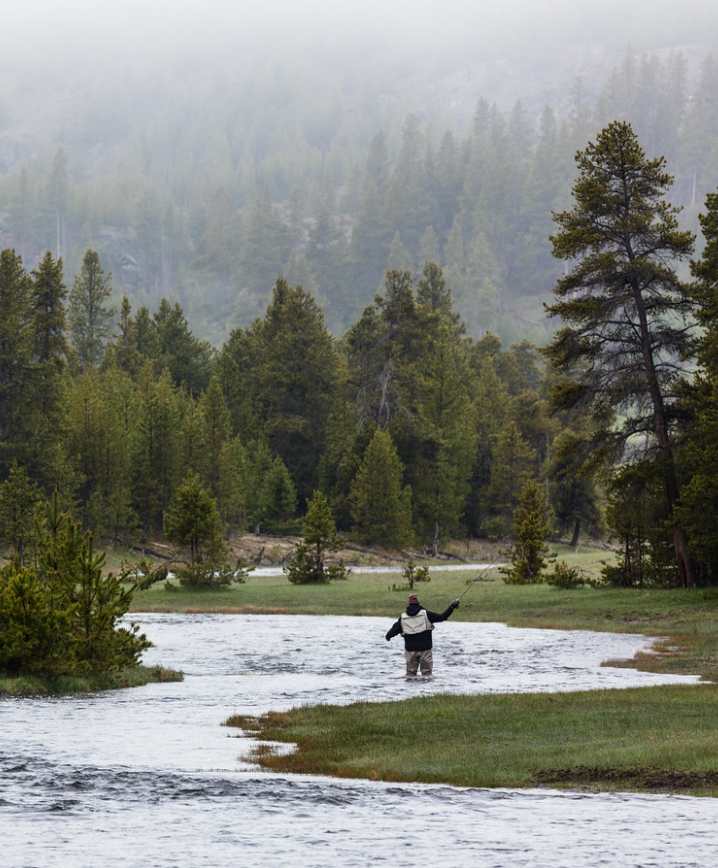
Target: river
{"x":149,"y":777}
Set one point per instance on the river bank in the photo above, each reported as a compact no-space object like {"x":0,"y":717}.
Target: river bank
{"x":37,"y":685}
{"x":648,"y":739}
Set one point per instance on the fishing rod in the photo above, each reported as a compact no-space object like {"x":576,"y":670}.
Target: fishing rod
{"x":477,"y":579}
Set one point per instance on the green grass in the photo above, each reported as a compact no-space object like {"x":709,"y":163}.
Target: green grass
{"x":32,"y":685}
{"x":656,"y":738}
{"x":361,"y":594}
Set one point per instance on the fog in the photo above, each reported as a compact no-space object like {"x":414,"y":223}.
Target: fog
{"x":39,"y":33}
{"x":158,"y":105}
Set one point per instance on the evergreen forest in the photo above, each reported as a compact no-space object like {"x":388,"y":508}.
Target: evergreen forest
{"x":423,"y":290}
{"x":412,"y":431}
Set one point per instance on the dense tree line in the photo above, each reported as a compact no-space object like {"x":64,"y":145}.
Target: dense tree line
{"x":408,"y":429}
{"x":209,"y":214}
{"x":413,"y":431}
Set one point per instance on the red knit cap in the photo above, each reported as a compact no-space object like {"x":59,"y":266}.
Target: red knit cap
{"x":413,"y":598}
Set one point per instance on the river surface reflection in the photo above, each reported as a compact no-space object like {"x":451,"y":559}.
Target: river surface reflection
{"x":149,"y":777}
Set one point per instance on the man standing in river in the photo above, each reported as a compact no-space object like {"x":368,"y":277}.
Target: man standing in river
{"x":415,"y":625}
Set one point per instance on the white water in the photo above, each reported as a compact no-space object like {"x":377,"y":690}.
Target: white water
{"x":149,"y":777}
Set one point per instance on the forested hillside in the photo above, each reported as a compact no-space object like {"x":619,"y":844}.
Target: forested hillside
{"x":202,"y":175}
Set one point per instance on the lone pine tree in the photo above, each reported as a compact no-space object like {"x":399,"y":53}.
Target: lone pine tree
{"x":626,"y":315}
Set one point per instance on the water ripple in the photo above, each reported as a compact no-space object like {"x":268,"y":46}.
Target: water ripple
{"x":149,"y":777}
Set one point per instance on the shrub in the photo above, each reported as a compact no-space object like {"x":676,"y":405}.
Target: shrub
{"x":36,"y":634}
{"x":61,"y":617}
{"x":565,"y":577}
{"x":412,"y":573}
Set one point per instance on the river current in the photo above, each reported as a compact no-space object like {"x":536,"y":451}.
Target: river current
{"x":149,"y":776}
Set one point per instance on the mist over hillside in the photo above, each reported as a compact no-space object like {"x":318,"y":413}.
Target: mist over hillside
{"x":203,"y":149}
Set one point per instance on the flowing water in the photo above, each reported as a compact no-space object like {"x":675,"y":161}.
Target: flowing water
{"x":149,"y":777}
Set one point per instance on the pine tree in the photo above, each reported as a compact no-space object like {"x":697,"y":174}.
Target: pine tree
{"x":121,"y":407}
{"x":635,"y":519}
{"x":265,"y":247}
{"x":89,"y":317}
{"x":371,"y":232}
{"x":698,"y":510}
{"x":187,"y":359}
{"x":20,"y":498}
{"x":48,"y":367}
{"x":491,"y":408}
{"x":278,"y":496}
{"x":36,"y":634}
{"x":530,"y":530}
{"x":440,"y":469}
{"x":573,"y":495}
{"x":87,"y":433}
{"x":700,"y":135}
{"x":624,"y":309}
{"x":15,"y":354}
{"x":24,"y":213}
{"x":192,"y":522}
{"x":380,"y":505}
{"x":382,"y":349}
{"x":292,"y":380}
{"x":319,"y":537}
{"x":433,"y":292}
{"x":156,"y":449}
{"x":232,"y":494}
{"x":399,"y":258}
{"x":406,"y":201}
{"x":48,"y":324}
{"x":326,"y":246}
{"x":512,"y":467}
{"x":448,"y":187}
{"x":216,"y":432}
{"x":221,"y":237}
{"x":94,"y":600}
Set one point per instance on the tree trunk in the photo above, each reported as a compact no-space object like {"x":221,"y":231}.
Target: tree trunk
{"x":680,"y":538}
{"x":576,"y":531}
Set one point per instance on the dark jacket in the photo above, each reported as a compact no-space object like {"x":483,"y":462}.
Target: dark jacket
{"x":418,"y":641}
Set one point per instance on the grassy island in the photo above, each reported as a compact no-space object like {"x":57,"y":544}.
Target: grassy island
{"x":660,"y":739}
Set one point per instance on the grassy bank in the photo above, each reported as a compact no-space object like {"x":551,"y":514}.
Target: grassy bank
{"x":661,"y":739}
{"x":32,"y":685}
{"x":688,"y":618}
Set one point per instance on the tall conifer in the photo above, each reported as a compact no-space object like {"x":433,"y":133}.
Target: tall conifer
{"x":380,"y":503}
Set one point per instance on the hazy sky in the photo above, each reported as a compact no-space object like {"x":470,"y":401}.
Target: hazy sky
{"x":48,"y":42}
{"x":28,"y":24}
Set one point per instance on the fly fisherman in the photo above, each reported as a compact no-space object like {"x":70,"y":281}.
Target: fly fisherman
{"x":415,"y":625}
